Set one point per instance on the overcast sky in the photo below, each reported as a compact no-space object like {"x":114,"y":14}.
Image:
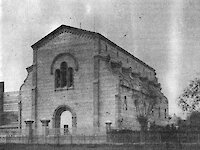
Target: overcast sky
{"x":163,"y":33}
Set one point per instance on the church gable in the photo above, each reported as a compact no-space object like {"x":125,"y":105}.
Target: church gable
{"x":69,"y":39}
{"x":64,"y":35}
{"x":66,"y":49}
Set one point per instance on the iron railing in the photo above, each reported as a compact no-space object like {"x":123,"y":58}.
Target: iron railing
{"x":63,"y":136}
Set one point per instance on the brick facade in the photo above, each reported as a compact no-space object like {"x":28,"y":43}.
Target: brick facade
{"x":107,"y":82}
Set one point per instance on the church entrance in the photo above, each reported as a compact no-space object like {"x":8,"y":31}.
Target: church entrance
{"x":64,"y":120}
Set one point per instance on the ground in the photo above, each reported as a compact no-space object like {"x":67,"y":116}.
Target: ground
{"x":101,"y":147}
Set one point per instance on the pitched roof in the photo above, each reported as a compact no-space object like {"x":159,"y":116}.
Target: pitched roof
{"x":64,"y":28}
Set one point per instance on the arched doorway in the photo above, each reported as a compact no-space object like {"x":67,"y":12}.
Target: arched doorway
{"x":66,"y":122}
{"x":64,"y":117}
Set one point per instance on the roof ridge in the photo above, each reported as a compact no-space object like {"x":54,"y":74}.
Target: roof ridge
{"x":96,"y":34}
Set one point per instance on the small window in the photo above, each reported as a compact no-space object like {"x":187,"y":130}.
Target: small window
{"x":70,"y":71}
{"x":165,"y":113}
{"x":57,"y":78}
{"x":125,"y":103}
{"x":127,"y":60}
{"x":63,"y":69}
{"x":106,"y":48}
{"x":117,"y":54}
{"x":159,"y":112}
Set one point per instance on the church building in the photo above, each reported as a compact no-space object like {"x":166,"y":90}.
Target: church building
{"x":90,"y":77}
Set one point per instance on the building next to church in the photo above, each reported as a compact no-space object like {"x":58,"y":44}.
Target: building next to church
{"x":92,"y":78}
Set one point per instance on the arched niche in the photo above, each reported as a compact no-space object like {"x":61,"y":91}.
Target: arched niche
{"x":62,"y":55}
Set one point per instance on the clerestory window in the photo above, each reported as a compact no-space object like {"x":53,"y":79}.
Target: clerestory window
{"x":159,"y":112}
{"x":125,"y":103}
{"x":57,"y":78}
{"x":64,"y":76}
{"x":70,"y":72}
{"x":63,"y":71}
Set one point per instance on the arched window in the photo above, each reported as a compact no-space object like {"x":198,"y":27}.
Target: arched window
{"x":63,"y":70}
{"x":64,"y":77}
{"x":57,"y":78}
{"x":70,"y":77}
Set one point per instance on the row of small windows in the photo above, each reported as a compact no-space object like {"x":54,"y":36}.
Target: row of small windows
{"x":64,"y":76}
{"x":159,"y":110}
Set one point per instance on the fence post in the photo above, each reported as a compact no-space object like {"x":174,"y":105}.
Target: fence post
{"x":58,"y":140}
{"x":45,"y":128}
{"x":108,"y":126}
{"x":160,"y":136}
{"x":142,"y":140}
{"x":29,"y":130}
{"x":108,"y":129}
{"x":71,"y":140}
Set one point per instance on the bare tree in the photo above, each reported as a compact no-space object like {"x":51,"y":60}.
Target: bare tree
{"x":145,"y":106}
{"x":190,"y":98}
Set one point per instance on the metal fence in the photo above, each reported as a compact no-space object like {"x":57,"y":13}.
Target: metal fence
{"x":69,"y":139}
{"x":134,"y":137}
{"x":155,"y":137}
{"x":52,"y":136}
{"x":60,"y":136}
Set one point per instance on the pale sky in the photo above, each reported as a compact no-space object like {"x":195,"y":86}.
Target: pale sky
{"x":163,"y":33}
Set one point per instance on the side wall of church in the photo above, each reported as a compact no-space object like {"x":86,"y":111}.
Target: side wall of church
{"x":108,"y":92}
{"x":127,"y":117}
{"x":164,"y":108}
{"x":123,"y":117}
{"x":161,"y":113}
{"x":128,"y":109}
{"x":127,"y":61}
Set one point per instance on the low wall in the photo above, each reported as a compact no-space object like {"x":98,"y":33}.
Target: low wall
{"x":101,"y":147}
